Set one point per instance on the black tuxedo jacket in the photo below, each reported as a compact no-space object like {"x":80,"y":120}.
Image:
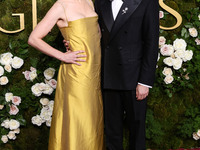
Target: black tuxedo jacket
{"x":129,"y":44}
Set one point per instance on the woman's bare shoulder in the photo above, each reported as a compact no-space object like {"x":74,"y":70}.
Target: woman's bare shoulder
{"x":63,"y":2}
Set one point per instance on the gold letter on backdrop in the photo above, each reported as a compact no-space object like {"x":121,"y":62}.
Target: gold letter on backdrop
{"x":21,"y":16}
{"x":174,"y":13}
{"x":34,"y":13}
{"x":34,"y":16}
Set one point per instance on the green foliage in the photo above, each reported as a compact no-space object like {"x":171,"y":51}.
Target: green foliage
{"x":153,"y":127}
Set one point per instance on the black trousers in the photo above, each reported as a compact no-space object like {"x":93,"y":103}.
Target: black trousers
{"x":116,"y":103}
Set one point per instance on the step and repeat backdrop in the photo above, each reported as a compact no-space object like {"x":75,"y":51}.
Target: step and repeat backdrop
{"x":28,"y":78}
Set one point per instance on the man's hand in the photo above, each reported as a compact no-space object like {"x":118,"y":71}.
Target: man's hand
{"x":141,"y":92}
{"x":66,"y":43}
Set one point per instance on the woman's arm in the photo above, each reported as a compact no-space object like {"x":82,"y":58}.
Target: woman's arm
{"x":43,"y":28}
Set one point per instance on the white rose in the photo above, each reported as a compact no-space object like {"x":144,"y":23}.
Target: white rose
{"x":48,"y":89}
{"x":195,"y":136}
{"x":16,"y":100}
{"x":8,"y":68}
{"x":1,"y":107}
{"x":8,"y":97}
{"x":37,"y":120}
{"x":167,"y":50}
{"x":162,"y":40}
{"x":199,"y":17}
{"x":180,"y":53}
{"x":168,"y":61}
{"x":4,"y":139}
{"x":1,"y":71}
{"x":6,"y":58}
{"x":11,"y":135}
{"x":46,"y":109}
{"x":36,"y":90}
{"x":26,"y":75}
{"x":193,"y":32}
{"x":42,"y":86}
{"x":14,"y":124}
{"x":17,"y":131}
{"x":179,"y":44}
{"x":198,"y":132}
{"x":17,"y":62}
{"x":168,"y":79}
{"x":188,"y":55}
{"x":32,"y":75}
{"x":13,"y":110}
{"x":44,"y":101}
{"x":161,"y":14}
{"x":167,"y":71}
{"x":197,"y":41}
{"x":51,"y":104}
{"x":45,"y":114}
{"x":49,"y":73}
{"x":33,"y":69}
{"x":177,"y":63}
{"x":52,"y":83}
{"x":6,"y":124}
{"x":3,"y":80}
{"x":48,"y":122}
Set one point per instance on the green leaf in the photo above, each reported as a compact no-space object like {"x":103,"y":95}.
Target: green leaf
{"x":24,"y":46}
{"x":34,"y":62}
{"x":10,"y":45}
{"x":188,"y":25}
{"x":23,"y":51}
{"x":197,"y":23}
{"x":183,"y":31}
{"x":2,"y":100}
{"x":22,"y":121}
{"x":4,"y":131}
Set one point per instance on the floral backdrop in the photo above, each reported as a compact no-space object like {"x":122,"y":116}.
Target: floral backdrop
{"x":28,"y":81}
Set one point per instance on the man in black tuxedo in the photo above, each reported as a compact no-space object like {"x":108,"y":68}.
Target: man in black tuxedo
{"x":130,"y":32}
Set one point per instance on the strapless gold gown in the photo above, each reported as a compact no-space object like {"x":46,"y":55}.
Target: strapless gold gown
{"x":77,"y":122}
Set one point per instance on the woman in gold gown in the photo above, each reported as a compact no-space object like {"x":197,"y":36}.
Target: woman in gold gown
{"x":77,"y":122}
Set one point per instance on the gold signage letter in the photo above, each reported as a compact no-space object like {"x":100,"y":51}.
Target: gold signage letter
{"x":34,"y":13}
{"x":21,"y":16}
{"x":174,"y":13}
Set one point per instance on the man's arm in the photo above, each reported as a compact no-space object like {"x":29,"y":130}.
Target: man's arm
{"x":150,"y":47}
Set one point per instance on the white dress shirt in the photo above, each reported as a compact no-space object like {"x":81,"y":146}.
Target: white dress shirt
{"x":116,"y":5}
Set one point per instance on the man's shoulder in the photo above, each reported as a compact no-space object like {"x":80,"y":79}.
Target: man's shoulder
{"x":149,"y":1}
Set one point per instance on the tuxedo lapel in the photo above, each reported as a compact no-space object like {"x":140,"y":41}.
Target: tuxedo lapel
{"x":106,"y":11}
{"x":127,"y":9}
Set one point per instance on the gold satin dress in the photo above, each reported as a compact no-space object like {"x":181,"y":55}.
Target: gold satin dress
{"x":77,"y":121}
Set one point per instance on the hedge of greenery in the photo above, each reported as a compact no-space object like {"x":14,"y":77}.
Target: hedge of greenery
{"x":173,"y":106}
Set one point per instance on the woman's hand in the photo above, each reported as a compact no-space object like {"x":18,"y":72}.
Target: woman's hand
{"x":73,"y":57}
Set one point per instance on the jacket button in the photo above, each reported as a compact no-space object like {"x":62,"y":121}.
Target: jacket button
{"x":102,"y":30}
{"x":125,"y":32}
{"x":107,"y":47}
